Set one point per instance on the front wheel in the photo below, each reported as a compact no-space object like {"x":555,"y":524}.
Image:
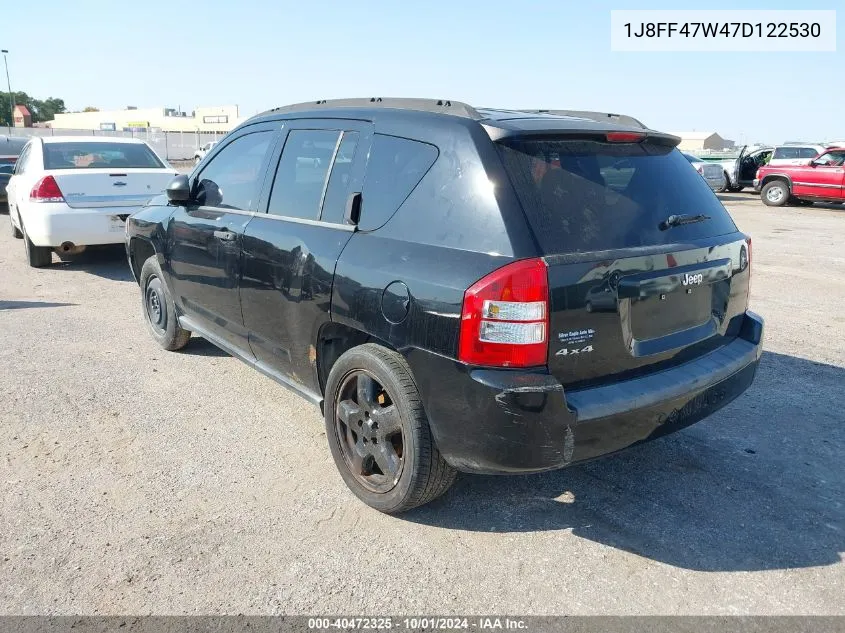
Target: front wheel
{"x":775,"y":193}
{"x":378,"y":432}
{"x":159,"y":310}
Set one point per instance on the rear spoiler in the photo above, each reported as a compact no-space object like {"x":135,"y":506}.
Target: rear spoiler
{"x":601,"y":117}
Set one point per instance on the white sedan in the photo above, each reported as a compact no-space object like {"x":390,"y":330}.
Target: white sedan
{"x":71,"y":192}
{"x":711,"y":172}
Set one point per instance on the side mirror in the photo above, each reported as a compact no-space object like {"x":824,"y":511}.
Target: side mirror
{"x":179,"y":190}
{"x":813,"y":163}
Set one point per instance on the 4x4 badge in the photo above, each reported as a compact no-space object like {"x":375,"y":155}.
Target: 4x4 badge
{"x":570,"y":352}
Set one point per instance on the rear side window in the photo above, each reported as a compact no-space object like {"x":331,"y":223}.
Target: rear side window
{"x":302,"y":172}
{"x":23,"y":159}
{"x":396,"y":165}
{"x":589,"y":196}
{"x":786,"y":152}
{"x":84,"y":155}
{"x":807,"y":152}
{"x":334,"y":203}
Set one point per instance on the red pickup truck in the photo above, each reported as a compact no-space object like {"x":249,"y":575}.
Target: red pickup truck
{"x":820,"y":180}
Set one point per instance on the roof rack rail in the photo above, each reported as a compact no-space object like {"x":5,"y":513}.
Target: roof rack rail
{"x":601,"y":117}
{"x":443,"y":106}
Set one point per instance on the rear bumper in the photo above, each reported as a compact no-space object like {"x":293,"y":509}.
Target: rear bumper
{"x":499,"y":421}
{"x":54,"y":224}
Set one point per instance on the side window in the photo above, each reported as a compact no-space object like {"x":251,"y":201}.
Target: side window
{"x":334,"y":203}
{"x":395,"y":167}
{"x":807,"y":152}
{"x":302,"y":172}
{"x":786,"y":152}
{"x":232,"y":179}
{"x":831,"y":159}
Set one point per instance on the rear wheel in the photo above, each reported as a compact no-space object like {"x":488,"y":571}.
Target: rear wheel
{"x":775,"y":193}
{"x":726,"y":184}
{"x":37,"y":256}
{"x":378,"y":432}
{"x":16,"y":232}
{"x":159,"y":309}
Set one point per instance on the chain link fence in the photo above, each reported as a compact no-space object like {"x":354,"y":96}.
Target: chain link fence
{"x":173,"y":146}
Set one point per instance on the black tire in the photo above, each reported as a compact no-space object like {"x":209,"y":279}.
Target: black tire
{"x":16,"y":232}
{"x":158,"y":308}
{"x":726,"y":184}
{"x":775,"y":193}
{"x":197,"y":160}
{"x":416,"y":472}
{"x":37,"y":256}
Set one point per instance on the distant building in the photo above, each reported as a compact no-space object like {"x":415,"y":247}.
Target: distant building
{"x":23,"y":118}
{"x":220,"y":119}
{"x":692,"y":141}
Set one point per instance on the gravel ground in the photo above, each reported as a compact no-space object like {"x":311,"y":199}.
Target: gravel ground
{"x":141,"y":481}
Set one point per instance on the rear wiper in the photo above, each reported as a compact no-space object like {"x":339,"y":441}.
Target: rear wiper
{"x":678,"y":220}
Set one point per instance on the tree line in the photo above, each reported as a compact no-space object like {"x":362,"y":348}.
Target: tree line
{"x":41,"y":111}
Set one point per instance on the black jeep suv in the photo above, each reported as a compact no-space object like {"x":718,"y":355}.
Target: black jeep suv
{"x":459,"y":289}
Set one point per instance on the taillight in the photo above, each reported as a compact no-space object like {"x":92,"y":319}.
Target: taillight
{"x":46,"y":190}
{"x":757,"y":175}
{"x":505,"y":317}
{"x":700,"y":169}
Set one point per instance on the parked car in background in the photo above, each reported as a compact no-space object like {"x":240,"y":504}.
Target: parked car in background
{"x":711,"y":172}
{"x":202,"y":151}
{"x":739,"y":172}
{"x":6,"y":170}
{"x":459,"y":289}
{"x":71,"y":192}
{"x":795,"y":154}
{"x":821,"y":179}
{"x":10,"y":149}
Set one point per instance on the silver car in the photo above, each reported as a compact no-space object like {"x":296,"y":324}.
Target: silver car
{"x":711,"y":172}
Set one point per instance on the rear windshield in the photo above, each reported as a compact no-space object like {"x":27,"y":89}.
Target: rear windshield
{"x":83,"y":155}
{"x":582,"y":195}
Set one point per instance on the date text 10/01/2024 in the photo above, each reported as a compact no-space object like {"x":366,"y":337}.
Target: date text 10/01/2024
{"x":417,"y":623}
{"x":725,"y":29}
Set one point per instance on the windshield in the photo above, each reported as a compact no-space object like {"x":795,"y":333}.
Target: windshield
{"x":589,"y":196}
{"x":104,"y":155}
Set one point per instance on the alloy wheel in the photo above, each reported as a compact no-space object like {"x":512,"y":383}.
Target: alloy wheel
{"x":369,"y":432}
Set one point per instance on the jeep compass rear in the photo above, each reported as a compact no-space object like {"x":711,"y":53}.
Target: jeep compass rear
{"x":461,"y":290}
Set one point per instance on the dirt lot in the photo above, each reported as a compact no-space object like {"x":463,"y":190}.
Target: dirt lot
{"x":140,"y":481}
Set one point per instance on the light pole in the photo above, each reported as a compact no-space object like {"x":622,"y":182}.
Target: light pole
{"x":9,"y":86}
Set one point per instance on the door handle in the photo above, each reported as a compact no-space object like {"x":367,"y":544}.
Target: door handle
{"x":226,"y":236}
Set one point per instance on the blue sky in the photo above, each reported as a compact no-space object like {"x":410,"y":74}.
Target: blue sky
{"x":263,"y":53}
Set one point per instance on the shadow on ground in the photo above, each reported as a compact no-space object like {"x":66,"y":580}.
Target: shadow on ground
{"x":738,"y":197}
{"x":108,"y":262}
{"x":199,"y":346}
{"x":756,"y":486}
{"x":21,"y":305}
